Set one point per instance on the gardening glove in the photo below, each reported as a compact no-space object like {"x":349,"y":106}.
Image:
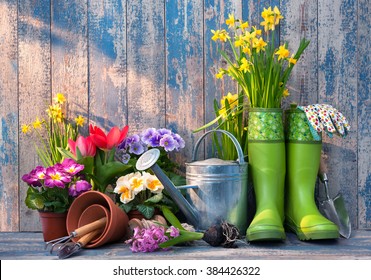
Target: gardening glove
{"x":323,"y":117}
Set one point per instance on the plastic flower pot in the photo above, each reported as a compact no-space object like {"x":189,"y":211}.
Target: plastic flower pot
{"x":117,"y":221}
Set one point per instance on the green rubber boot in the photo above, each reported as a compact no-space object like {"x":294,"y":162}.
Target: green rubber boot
{"x":303,"y":155}
{"x":266,"y":150}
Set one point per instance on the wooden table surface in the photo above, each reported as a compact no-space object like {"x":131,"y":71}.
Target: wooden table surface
{"x":30,"y":245}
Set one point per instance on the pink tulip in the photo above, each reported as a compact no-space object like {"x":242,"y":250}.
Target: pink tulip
{"x":86,"y":146}
{"x":109,"y":141}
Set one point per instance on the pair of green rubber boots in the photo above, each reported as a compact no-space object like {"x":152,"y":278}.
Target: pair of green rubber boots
{"x":284,"y":176}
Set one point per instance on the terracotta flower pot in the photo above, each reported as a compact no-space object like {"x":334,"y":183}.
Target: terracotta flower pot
{"x":53,"y":225}
{"x":117,"y":223}
{"x":92,"y":213}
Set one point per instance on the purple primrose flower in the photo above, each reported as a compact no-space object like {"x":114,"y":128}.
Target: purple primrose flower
{"x":78,"y":188}
{"x":56,"y":177}
{"x":168,"y":143}
{"x":71,"y":167}
{"x":35,"y":177}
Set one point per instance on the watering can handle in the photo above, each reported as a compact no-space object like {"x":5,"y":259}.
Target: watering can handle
{"x":230,"y":135}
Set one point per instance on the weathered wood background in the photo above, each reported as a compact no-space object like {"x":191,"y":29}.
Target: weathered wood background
{"x":152,"y":63}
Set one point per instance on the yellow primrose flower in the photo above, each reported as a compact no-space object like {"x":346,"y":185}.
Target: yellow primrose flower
{"x":259,"y":44}
{"x":245,"y":67}
{"x":282,"y":52}
{"x":126,"y":194}
{"x":137,"y":184}
{"x":230,"y":21}
{"x":37,"y":123}
{"x":60,"y":98}
{"x":153,"y":184}
{"x":80,"y":120}
{"x":26,"y":128}
{"x":292,"y":60}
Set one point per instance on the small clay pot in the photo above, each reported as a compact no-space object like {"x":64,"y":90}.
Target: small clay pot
{"x":117,"y":223}
{"x":93,"y":213}
{"x":53,"y":225}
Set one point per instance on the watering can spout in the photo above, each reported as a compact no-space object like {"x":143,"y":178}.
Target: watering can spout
{"x":148,"y":161}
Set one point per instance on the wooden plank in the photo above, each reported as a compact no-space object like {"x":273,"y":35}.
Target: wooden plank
{"x":9,"y":176}
{"x":27,"y":246}
{"x":184,"y":71}
{"x":70,"y":55}
{"x":337,"y":83}
{"x":107,"y":63}
{"x":215,"y":14}
{"x":364,"y":115}
{"x":145,"y":64}
{"x":300,"y":21}
{"x":34,"y":88}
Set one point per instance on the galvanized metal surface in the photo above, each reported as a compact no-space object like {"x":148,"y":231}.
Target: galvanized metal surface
{"x":153,"y":63}
{"x":29,"y":246}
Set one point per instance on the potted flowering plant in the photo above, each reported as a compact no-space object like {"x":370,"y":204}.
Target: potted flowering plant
{"x":51,"y":191}
{"x":143,"y":192}
{"x":163,"y":139}
{"x":53,"y":188}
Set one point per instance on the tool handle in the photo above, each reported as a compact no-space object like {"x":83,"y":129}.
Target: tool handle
{"x":98,"y":224}
{"x":89,"y":237}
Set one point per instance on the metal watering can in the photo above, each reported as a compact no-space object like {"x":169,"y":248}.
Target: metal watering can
{"x":217,"y":190}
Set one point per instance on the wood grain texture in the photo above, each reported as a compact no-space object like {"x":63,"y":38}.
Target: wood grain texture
{"x":215,"y":14}
{"x":152,"y":64}
{"x":337,"y":83}
{"x":107,"y":63}
{"x":363,"y":127}
{"x":145,"y":64}
{"x":184,"y":75}
{"x":69,"y":64}
{"x":34,"y":89}
{"x":9,"y":205}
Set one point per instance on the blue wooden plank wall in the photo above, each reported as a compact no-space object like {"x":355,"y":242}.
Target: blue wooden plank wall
{"x":152,"y":64}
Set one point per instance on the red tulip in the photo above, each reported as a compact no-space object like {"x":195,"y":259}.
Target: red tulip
{"x":86,"y":146}
{"x":112,"y":139}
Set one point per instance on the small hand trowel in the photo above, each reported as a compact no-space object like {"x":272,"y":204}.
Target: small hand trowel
{"x":334,"y":209}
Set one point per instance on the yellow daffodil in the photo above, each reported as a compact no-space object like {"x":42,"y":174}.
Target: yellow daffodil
{"x":246,"y":49}
{"x":216,"y":35}
{"x":245,"y":67}
{"x":277,"y":15}
{"x":230,"y":21}
{"x":267,"y":13}
{"x":60,"y":98}
{"x":80,"y":120}
{"x":232,"y":101}
{"x":282,"y":52}
{"x":26,"y":128}
{"x":223,"y":36}
{"x":292,"y":60}
{"x":244,"y":25}
{"x":37,"y":123}
{"x":286,"y":93}
{"x":220,"y":74}
{"x":259,"y":44}
{"x":239,"y":42}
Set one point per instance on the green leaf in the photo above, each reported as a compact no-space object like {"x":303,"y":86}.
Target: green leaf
{"x":65,"y":153}
{"x":34,"y":199}
{"x":147,"y":211}
{"x":108,"y":172}
{"x":156,"y":198}
{"x":185,"y":236}
{"x":127,"y":207}
{"x":171,"y":218}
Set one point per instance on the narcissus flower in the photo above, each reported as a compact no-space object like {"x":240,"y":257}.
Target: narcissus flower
{"x":282,"y":52}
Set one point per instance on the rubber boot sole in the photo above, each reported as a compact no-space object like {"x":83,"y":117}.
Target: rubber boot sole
{"x":265,"y":234}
